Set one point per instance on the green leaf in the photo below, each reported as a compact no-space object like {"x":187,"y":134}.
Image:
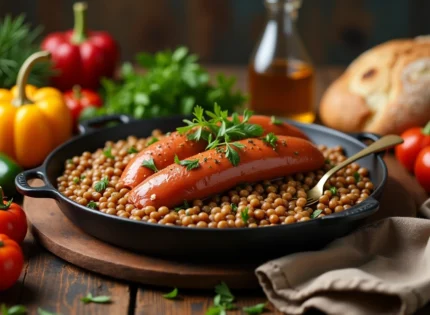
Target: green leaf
{"x":76,"y":180}
{"x":271,"y":139}
{"x":13,"y":310}
{"x":108,"y":153}
{"x":255,"y":309}
{"x":244,"y":215}
{"x":41,"y":311}
{"x":89,"y":298}
{"x":232,"y":155}
{"x":223,"y":290}
{"x":333,"y":190}
{"x":276,"y":121}
{"x":132,"y":150}
{"x":152,"y":141}
{"x":357,"y":177}
{"x":234,"y":207}
{"x":150,"y":164}
{"x":92,"y":205}
{"x":101,"y":185}
{"x":316,"y":213}
{"x":216,"y":310}
{"x":171,"y":295}
{"x":189,"y":164}
{"x":180,"y":53}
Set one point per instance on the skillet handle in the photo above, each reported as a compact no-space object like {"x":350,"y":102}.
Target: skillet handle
{"x":93,"y":124}
{"x":364,"y":209}
{"x":21,"y":183}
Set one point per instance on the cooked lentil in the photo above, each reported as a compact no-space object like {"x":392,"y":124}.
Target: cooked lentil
{"x":281,"y":201}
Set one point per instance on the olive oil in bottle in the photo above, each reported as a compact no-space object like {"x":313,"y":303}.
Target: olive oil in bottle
{"x":280,"y":74}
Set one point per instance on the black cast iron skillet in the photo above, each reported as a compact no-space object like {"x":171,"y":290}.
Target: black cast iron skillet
{"x":175,"y":241}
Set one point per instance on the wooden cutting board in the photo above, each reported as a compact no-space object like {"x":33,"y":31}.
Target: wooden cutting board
{"x":56,"y":233}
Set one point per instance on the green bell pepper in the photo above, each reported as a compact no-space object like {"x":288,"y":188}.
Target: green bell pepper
{"x":9,"y":169}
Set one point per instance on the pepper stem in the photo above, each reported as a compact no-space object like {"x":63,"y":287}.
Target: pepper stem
{"x":426,"y":129}
{"x":80,"y":27}
{"x":77,"y":92}
{"x":2,"y":205}
{"x":23,"y":74}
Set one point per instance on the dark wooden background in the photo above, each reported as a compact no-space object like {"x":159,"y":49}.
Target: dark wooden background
{"x":225,"y":31}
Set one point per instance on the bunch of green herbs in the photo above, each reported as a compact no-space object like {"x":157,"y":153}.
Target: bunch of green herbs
{"x":17,"y":42}
{"x":173,"y":83}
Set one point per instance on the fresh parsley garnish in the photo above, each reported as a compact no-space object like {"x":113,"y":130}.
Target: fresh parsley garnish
{"x":150,"y":164}
{"x":83,"y":177}
{"x":357,"y":177}
{"x":234,"y":207}
{"x":13,"y":310}
{"x":316,"y":213}
{"x":152,"y":141}
{"x":255,"y":309}
{"x":101,"y":185}
{"x":76,"y":180}
{"x":132,"y":150}
{"x":271,"y":139}
{"x":223,"y":300}
{"x":276,"y":121}
{"x":171,"y":295}
{"x":108,"y":153}
{"x":333,"y":190}
{"x":244,"y":215}
{"x":69,"y":161}
{"x":92,"y":205}
{"x":89,"y":298}
{"x":184,"y":206}
{"x":189,"y":164}
{"x":220,"y":132}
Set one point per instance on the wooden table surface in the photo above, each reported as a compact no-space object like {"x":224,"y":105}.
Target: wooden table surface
{"x":57,"y":286}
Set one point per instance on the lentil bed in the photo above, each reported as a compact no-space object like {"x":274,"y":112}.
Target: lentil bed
{"x":92,"y":180}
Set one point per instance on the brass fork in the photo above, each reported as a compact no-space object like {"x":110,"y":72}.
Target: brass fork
{"x":385,"y":142}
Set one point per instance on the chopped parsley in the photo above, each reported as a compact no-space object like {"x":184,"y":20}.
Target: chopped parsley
{"x":132,"y":150}
{"x":152,"y":141}
{"x":108,"y":153}
{"x":333,"y":190}
{"x":316,"y":213}
{"x":76,"y":180}
{"x":357,"y":177}
{"x":244,"y":215}
{"x":150,"y":164}
{"x":189,"y":164}
{"x":92,"y":205}
{"x":234,"y":207}
{"x":276,"y":121}
{"x":101,"y":185}
{"x":271,"y":139}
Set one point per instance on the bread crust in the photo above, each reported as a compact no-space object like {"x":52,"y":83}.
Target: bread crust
{"x":385,"y":90}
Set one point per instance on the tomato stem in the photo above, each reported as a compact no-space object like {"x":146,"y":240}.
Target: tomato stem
{"x":426,"y":129}
{"x":1,"y":244}
{"x":80,"y":27}
{"x":4,"y":206}
{"x":77,"y":93}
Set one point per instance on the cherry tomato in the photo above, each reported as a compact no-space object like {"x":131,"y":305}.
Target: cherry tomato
{"x":11,"y":262}
{"x":422,"y":168}
{"x":78,"y":99}
{"x":415,"y":139}
{"x":13,"y":221}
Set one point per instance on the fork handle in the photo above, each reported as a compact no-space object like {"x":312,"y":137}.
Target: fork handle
{"x":379,"y":145}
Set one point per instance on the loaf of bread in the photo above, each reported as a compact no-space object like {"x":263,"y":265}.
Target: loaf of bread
{"x":385,"y":90}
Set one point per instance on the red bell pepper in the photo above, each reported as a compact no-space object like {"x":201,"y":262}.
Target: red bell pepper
{"x":81,"y":56}
{"x":78,"y":99}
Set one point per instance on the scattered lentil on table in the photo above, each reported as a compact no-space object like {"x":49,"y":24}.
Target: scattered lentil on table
{"x":281,"y":201}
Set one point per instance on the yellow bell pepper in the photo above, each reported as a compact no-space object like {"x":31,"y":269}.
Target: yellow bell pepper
{"x":32,"y":121}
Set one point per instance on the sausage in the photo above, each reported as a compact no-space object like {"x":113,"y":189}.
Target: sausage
{"x":215,"y":173}
{"x":283,"y":128}
{"x":164,"y":151}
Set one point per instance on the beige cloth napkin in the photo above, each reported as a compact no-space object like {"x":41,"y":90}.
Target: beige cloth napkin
{"x":381,"y":268}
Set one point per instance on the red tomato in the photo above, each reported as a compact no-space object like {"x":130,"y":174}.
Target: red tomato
{"x":422,"y":168}
{"x":78,"y":99}
{"x":11,"y":262}
{"x":13,"y":221}
{"x":415,"y":139}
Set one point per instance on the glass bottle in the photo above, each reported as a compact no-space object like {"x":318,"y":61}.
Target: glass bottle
{"x":281,"y":75}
